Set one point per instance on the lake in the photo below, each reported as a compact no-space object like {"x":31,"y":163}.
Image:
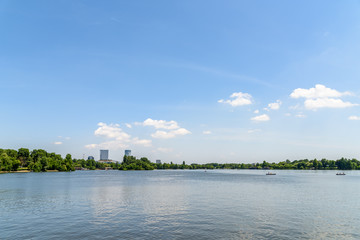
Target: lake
{"x":180,"y":204}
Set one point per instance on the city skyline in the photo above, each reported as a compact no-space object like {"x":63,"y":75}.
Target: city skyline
{"x":204,"y":81}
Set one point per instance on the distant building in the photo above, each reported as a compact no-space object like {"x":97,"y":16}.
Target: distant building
{"x":158,"y":161}
{"x":91,"y":158}
{"x":104,"y":154}
{"x":127,"y":152}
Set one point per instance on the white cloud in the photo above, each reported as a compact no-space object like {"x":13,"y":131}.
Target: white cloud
{"x":207,"y":132}
{"x":111,"y":131}
{"x":256,"y":111}
{"x":355,"y":118}
{"x":128,"y":125}
{"x":322,"y":97}
{"x":58,"y":143}
{"x":261,"y":118}
{"x":161,"y":124}
{"x":143,"y":142}
{"x":239,"y":99}
{"x":275,"y":105}
{"x":300,"y":115}
{"x":118,"y":138}
{"x":314,"y":104}
{"x":287,"y":114}
{"x":115,"y":144}
{"x":320,"y":91}
{"x":170,"y":134}
{"x":91,"y":146}
{"x":171,"y":128}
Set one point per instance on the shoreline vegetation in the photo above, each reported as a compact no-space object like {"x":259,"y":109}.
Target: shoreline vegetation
{"x":38,"y":160}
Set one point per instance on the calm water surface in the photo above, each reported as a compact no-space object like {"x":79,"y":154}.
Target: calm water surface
{"x":217,"y":204}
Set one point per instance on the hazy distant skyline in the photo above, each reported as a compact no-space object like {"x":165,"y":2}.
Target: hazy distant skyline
{"x":194,"y":81}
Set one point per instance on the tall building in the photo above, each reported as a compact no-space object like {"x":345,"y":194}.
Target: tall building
{"x":90,"y":158}
{"x":127,"y":152}
{"x":104,"y":154}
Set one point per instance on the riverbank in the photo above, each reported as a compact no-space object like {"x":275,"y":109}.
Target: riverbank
{"x":25,"y":171}
{"x":20,"y":171}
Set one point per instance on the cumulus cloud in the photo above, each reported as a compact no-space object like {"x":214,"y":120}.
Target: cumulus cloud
{"x":161,"y":124}
{"x":354,"y":118}
{"x":170,"y":129}
{"x":111,"y":131}
{"x":314,"y":104}
{"x":207,"y":132}
{"x":238,"y":99}
{"x":114,"y":144}
{"x":170,"y":134}
{"x":143,"y":142}
{"x":261,"y":118}
{"x":275,"y":106}
{"x":256,"y":111}
{"x":128,"y":125}
{"x":117,"y":137}
{"x":319,"y":91}
{"x":58,"y":143}
{"x":91,"y":146}
{"x":322,"y":97}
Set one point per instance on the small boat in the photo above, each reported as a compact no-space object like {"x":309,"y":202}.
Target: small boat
{"x":339,"y":173}
{"x":270,"y":173}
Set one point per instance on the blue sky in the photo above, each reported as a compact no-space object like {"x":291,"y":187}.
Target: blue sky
{"x":182,"y":80}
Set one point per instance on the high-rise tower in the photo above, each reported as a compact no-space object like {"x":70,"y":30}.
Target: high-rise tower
{"x":127,"y":152}
{"x":104,"y":154}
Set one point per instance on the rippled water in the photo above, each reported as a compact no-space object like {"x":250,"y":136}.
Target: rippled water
{"x":217,"y":204}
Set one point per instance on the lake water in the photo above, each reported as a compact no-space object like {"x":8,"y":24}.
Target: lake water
{"x":181,"y":204}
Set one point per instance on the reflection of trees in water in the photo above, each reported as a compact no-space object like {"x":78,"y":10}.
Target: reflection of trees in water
{"x":144,"y":203}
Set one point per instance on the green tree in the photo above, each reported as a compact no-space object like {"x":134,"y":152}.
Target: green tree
{"x":315,"y":163}
{"x":5,"y":162}
{"x":23,"y":156}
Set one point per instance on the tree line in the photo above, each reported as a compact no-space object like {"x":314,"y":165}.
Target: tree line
{"x":38,"y":160}
{"x":303,"y":164}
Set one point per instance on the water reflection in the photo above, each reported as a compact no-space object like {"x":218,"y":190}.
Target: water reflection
{"x":151,"y":202}
{"x":180,"y":205}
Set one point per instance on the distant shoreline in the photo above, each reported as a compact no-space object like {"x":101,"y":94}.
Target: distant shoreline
{"x":179,"y":169}
{"x":39,"y":160}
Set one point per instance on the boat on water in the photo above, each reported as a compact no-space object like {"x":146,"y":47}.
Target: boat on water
{"x":270,"y":173}
{"x":339,"y":173}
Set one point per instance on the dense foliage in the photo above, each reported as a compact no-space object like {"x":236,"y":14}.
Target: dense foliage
{"x":128,"y":163}
{"x":131,"y":163}
{"x":91,"y":164}
{"x":323,"y":164}
{"x":37,"y":160}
